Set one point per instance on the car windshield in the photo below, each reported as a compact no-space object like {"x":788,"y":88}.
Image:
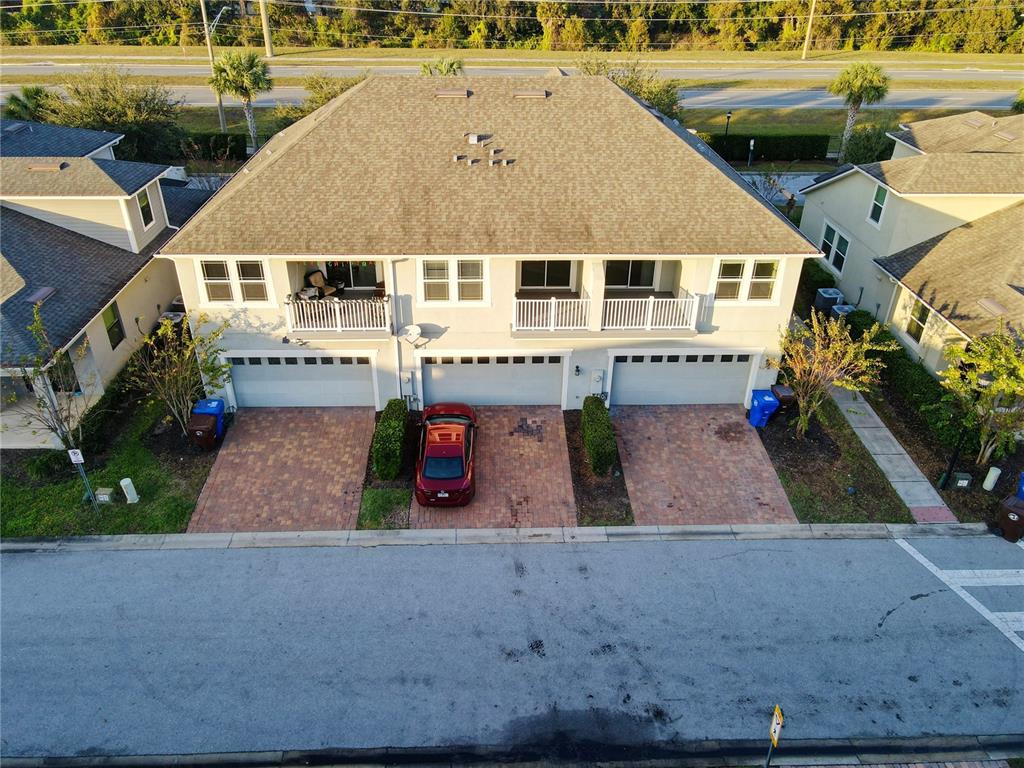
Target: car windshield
{"x":442,"y":467}
{"x":448,"y":418}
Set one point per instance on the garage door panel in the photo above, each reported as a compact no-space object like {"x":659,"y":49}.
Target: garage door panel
{"x":681,"y":379}
{"x":320,"y":381}
{"x":494,"y":380}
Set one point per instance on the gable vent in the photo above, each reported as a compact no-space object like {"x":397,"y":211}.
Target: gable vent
{"x":40,"y":295}
{"x":50,"y":167}
{"x":531,"y":93}
{"x":452,"y":93}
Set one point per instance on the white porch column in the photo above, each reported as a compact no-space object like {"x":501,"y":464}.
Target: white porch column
{"x":593,"y":285}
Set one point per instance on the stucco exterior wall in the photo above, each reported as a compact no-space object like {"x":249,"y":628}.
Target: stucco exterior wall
{"x":937,"y":336}
{"x":144,"y":235}
{"x":100,"y":218}
{"x":904,"y":150}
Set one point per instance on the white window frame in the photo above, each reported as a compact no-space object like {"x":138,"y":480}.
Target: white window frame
{"x":774,"y":280}
{"x":546,"y":287}
{"x":152,"y":209}
{"x":911,"y":318}
{"x":717,"y":278}
{"x":655,"y":281}
{"x":243,"y":281}
{"x":378,"y":277}
{"x":881,"y":206}
{"x":235,"y":283}
{"x":453,"y":283}
{"x":827,"y":258}
{"x":748,"y":271}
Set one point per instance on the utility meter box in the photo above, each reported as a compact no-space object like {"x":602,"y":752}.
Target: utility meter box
{"x":596,"y":382}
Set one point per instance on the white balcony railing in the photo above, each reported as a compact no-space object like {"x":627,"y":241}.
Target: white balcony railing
{"x":650,"y":314}
{"x":552,"y":314}
{"x":331,"y":314}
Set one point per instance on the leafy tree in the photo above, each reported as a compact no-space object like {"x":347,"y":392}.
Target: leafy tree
{"x":637,"y":37}
{"x":104,"y":98}
{"x":32,"y":103}
{"x":244,"y":75}
{"x":986,"y":379}
{"x":1017,"y":106}
{"x":176,"y":366}
{"x":574,"y":34}
{"x":860,"y":83}
{"x":868,"y":144}
{"x":320,"y":89}
{"x":442,"y":66}
{"x":820,"y":353}
{"x":638,"y":79}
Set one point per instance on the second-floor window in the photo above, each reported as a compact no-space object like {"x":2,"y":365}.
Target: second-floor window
{"x":145,"y":207}
{"x":252,"y":280}
{"x":445,"y":280}
{"x":917,"y":320}
{"x":545,"y":274}
{"x":217,"y":281}
{"x":762,"y":280}
{"x":730,"y":279}
{"x":834,"y":245}
{"x":878,"y":204}
{"x":629,"y":274}
{"x":750,"y":281}
{"x":471,"y":280}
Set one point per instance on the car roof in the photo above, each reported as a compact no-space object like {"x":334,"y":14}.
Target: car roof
{"x":445,"y":439}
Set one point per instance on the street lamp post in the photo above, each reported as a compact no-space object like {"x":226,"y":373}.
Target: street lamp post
{"x":728,"y":118}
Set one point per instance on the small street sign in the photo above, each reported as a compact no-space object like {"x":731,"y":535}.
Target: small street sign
{"x":776,"y":729}
{"x":76,"y":456}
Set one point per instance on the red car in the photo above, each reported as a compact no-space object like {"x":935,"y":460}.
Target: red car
{"x":444,"y":465}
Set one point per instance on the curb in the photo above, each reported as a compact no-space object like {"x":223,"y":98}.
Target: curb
{"x":476,"y":536}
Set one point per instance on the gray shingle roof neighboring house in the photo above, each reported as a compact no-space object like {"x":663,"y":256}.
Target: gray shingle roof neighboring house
{"x":20,"y":138}
{"x":953,"y":272}
{"x":970,"y":132}
{"x":181,"y":201}
{"x":85,"y":273}
{"x":965,"y":173}
{"x":388,"y":168}
{"x":74,"y":177}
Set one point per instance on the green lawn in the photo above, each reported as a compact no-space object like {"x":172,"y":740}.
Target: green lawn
{"x":167,"y":484}
{"x":383,"y":508}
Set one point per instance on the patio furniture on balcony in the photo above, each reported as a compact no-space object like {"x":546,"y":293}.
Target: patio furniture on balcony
{"x":334,"y":314}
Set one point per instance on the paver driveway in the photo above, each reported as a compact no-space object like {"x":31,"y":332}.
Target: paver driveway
{"x":287,"y":469}
{"x":697,"y":464}
{"x":522,"y":474}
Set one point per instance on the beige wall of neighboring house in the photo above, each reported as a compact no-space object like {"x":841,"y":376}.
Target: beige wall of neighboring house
{"x":99,"y":218}
{"x":144,"y":233}
{"x":902,"y":149}
{"x":935,"y":336}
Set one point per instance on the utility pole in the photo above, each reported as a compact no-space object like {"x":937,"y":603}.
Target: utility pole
{"x":265,"y":18}
{"x":209,"y":51}
{"x":807,"y":37}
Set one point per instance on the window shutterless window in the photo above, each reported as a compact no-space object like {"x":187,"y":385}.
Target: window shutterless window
{"x":252,"y":281}
{"x":545,"y":274}
{"x":217,"y":281}
{"x":878,"y":204}
{"x":918,"y":320}
{"x":471,"y":280}
{"x":762,"y":281}
{"x":834,"y":245}
{"x":145,"y":207}
{"x":435,"y":280}
{"x":629,"y":274}
{"x":354,"y":274}
{"x":730,"y":276}
{"x":112,"y":322}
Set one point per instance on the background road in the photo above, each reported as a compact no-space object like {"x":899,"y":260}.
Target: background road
{"x":196,"y":651}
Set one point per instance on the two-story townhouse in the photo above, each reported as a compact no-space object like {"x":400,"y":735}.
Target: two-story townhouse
{"x":77,"y":238}
{"x":494,"y":240}
{"x":874,"y":221}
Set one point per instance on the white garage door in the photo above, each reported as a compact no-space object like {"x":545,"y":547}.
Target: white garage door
{"x":663,"y":379}
{"x":301,"y":380}
{"x":493,"y":380}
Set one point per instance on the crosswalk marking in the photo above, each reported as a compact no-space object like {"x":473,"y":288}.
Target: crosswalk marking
{"x":1005,"y":621}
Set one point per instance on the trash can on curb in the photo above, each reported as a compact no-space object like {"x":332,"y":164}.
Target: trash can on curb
{"x":212,"y":406}
{"x":1011,"y":518}
{"x":202,"y":429}
{"x":762,"y":405}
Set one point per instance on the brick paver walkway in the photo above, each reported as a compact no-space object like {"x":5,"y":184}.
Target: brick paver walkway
{"x":287,"y":469}
{"x":522,"y":474}
{"x":697,"y":464}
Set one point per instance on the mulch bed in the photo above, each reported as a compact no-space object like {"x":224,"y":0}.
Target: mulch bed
{"x":970,"y":506}
{"x":599,"y":500}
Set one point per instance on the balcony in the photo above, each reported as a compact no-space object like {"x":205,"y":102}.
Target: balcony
{"x":650,"y":313}
{"x":331,"y":314}
{"x":552,"y":314}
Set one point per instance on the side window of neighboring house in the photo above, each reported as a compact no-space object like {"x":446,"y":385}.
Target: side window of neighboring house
{"x":217,"y":281}
{"x":730,"y":276}
{"x":145,"y":207}
{"x":112,"y":322}
{"x":878,"y":204}
{"x":834,"y":245}
{"x":917,"y":320}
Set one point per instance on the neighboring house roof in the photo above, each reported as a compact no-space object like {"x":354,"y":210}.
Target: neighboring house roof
{"x":74,"y":177}
{"x":965,"y":173}
{"x":953,"y":272}
{"x":970,"y":132}
{"x":21,"y":138}
{"x":591,"y":171}
{"x":181,"y":202}
{"x":85,"y":273}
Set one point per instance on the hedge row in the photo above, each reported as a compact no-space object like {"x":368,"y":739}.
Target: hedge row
{"x":801,"y":146}
{"x":598,"y":435}
{"x":389,"y":440}
{"x":211,"y":145}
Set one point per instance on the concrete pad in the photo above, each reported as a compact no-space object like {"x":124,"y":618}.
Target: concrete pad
{"x":860,"y":414}
{"x":878,"y":440}
{"x":918,"y":493}
{"x":933,"y":515}
{"x":898,"y":466}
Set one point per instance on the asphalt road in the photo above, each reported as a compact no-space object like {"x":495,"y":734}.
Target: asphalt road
{"x":638,"y":643}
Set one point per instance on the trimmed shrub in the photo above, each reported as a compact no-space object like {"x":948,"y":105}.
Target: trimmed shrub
{"x":212,"y":145}
{"x":389,"y":440}
{"x":812,"y":277}
{"x":801,"y":146}
{"x":598,"y":435}
{"x":104,"y":416}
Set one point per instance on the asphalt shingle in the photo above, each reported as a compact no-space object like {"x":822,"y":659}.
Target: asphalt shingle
{"x":74,"y":177}
{"x":181,"y":202}
{"x":970,"y":132}
{"x":21,"y":138}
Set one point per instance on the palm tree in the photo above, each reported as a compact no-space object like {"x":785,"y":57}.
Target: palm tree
{"x":858,"y":84}
{"x":244,"y":75}
{"x":31,"y":103}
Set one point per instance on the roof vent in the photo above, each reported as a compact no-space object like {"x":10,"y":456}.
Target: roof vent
{"x":15,"y":128}
{"x":40,"y":295}
{"x":974,"y":122}
{"x":477,"y":138}
{"x":993,"y":307}
{"x":51,"y":167}
{"x":456,"y":158}
{"x":1005,"y":135}
{"x":507,"y":161}
{"x":531,"y":93}
{"x":452,"y":93}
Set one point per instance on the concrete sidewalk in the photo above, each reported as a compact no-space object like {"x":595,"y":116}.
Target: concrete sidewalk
{"x":925,"y":503}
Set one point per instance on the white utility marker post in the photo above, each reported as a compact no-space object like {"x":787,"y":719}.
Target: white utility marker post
{"x":79,"y":460}
{"x":209,"y":52}
{"x":807,"y":36}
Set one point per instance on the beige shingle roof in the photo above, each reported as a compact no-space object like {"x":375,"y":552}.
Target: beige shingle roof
{"x":970,"y":132}
{"x":74,"y":176}
{"x":952,"y":174}
{"x":592,"y":171}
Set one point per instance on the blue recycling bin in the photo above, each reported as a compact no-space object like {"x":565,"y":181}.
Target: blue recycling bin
{"x":762,"y":405}
{"x":212,"y":406}
{"x":1020,"y":487}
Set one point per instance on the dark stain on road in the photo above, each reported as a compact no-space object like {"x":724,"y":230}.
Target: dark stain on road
{"x":520,"y":568}
{"x":537,"y":648}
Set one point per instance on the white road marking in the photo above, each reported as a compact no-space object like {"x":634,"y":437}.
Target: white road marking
{"x":997,"y":620}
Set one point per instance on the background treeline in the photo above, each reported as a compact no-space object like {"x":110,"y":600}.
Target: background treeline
{"x":973,"y":26}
